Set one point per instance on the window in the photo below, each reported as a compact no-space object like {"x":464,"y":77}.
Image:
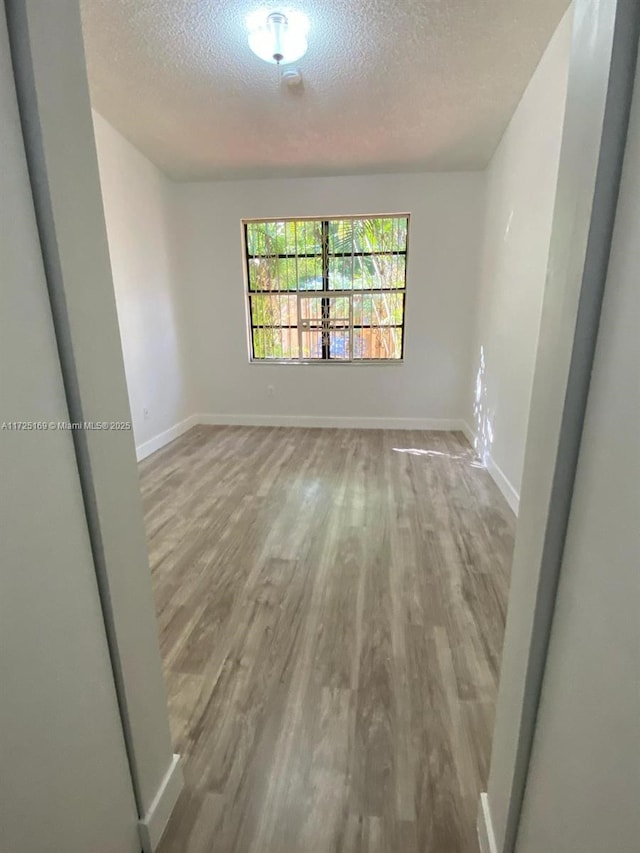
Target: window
{"x":327,"y":290}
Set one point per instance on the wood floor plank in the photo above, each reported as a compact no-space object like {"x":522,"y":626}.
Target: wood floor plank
{"x":331,"y":608}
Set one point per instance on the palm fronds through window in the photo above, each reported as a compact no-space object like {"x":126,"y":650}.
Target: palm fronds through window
{"x":327,"y":289}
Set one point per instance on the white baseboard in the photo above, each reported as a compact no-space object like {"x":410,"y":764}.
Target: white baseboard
{"x":497,"y":474}
{"x":486,"y":836}
{"x":469,"y":434}
{"x":148,"y":447}
{"x":332,"y":422}
{"x":154,"y":822}
{"x":501,"y":481}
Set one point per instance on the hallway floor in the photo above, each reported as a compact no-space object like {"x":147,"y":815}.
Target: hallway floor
{"x":331,"y":609}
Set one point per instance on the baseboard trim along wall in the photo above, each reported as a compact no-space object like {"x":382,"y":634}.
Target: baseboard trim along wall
{"x":148,"y":447}
{"x":154,"y":822}
{"x":498,"y":476}
{"x":486,"y":837}
{"x":501,"y":481}
{"x":332,"y":422}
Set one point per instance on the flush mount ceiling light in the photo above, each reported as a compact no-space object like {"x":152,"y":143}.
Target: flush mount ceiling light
{"x":277,"y":37}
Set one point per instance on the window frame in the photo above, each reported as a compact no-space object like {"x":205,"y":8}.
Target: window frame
{"x":325,"y":291}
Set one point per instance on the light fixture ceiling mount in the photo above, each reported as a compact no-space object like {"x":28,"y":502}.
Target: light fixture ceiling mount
{"x":277,"y":37}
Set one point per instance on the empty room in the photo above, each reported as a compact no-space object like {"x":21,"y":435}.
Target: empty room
{"x":329,"y":344}
{"x":320,"y":286}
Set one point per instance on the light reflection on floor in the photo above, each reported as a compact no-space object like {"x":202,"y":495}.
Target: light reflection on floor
{"x":470,"y":457}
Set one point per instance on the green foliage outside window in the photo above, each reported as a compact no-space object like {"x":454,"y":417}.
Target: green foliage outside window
{"x":363,"y":258}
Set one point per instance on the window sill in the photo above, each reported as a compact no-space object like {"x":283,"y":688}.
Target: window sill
{"x":391,"y":362}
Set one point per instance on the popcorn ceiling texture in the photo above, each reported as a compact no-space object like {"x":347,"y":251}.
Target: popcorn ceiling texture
{"x":389,"y":85}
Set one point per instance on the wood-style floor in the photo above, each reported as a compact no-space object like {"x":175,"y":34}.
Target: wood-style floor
{"x":331,"y":607}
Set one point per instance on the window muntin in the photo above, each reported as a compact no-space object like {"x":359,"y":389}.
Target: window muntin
{"x":324,"y":290}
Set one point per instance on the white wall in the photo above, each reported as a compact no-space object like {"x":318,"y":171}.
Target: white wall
{"x":583,"y":787}
{"x":54,"y":98}
{"x":521,"y":183}
{"x":64,"y":782}
{"x":138,"y":217}
{"x":586,"y":198}
{"x":446,"y":224}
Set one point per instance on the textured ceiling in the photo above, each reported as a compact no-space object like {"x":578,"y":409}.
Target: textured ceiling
{"x":389,"y":85}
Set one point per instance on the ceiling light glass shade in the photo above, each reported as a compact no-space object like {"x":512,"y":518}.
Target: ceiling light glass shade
{"x":277,"y":37}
